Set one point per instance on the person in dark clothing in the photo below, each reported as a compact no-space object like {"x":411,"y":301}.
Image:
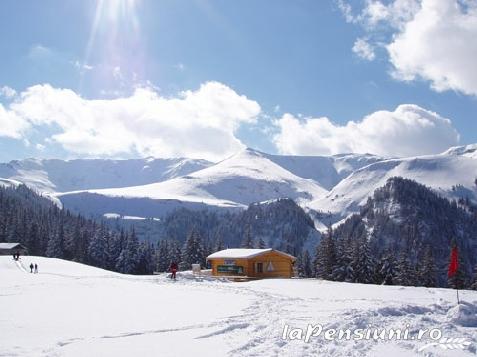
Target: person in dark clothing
{"x":31,"y":267}
{"x":18,"y":255}
{"x":173,"y":270}
{"x":36,"y":268}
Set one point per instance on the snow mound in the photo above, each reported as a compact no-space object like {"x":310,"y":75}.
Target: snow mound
{"x":464,"y":314}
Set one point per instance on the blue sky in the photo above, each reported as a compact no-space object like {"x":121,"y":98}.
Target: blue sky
{"x":292,"y":58}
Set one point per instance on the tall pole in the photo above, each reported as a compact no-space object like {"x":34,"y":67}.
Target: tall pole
{"x":457,"y":296}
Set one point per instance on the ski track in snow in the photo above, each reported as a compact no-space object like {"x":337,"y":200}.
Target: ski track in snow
{"x":256,"y":329}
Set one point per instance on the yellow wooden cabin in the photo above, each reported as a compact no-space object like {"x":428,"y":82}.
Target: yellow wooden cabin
{"x":252,"y":263}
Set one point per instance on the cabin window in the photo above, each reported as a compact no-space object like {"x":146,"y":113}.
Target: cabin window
{"x":270,"y":267}
{"x":259,"y":267}
{"x":230,"y":269}
{"x":229,"y":262}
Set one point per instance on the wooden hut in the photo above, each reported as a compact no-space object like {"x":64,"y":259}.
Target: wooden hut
{"x":12,"y":248}
{"x":252,"y":263}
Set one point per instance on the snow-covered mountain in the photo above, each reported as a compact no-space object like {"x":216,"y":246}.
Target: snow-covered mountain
{"x":51,"y":175}
{"x":339,"y":184}
{"x":452,"y":174}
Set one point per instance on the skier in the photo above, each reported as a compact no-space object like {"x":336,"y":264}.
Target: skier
{"x":36,"y":268}
{"x":31,"y":267}
{"x":18,"y":255}
{"x":173,"y":270}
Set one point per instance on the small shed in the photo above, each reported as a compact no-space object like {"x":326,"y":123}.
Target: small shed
{"x":253,"y":263}
{"x":12,"y":248}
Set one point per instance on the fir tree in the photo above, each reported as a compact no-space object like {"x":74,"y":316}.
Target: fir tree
{"x":304,"y":265}
{"x":325,"y":257}
{"x":162,"y":256}
{"x":193,"y":251}
{"x":97,"y":249}
{"x":427,"y":270}
{"x":247,"y":241}
{"x":145,"y":264}
{"x":386,"y":270}
{"x":128,"y":259}
{"x":362,"y":265}
{"x":219,"y":245}
{"x":261,"y":243}
{"x":473,"y":286}
{"x":405,"y":274}
{"x":55,"y":244}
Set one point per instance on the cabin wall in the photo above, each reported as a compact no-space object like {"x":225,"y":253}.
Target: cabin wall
{"x":282,"y":266}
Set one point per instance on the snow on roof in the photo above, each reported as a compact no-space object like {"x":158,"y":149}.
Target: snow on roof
{"x":9,"y":245}
{"x":242,"y":253}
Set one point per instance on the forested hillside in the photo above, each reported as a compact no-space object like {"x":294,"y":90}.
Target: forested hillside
{"x":402,"y":236}
{"x":47,"y":230}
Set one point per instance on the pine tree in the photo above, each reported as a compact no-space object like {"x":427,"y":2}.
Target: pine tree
{"x":261,"y":243}
{"x":97,"y":249}
{"x":325,"y":257}
{"x":247,"y":241}
{"x":304,"y":265}
{"x":219,"y":245}
{"x":362,"y":264}
{"x":162,"y":256}
{"x":145,"y":264}
{"x":193,"y":251}
{"x":473,"y":286}
{"x":175,"y":252}
{"x":405,"y":274}
{"x":386,"y":270}
{"x":55,"y":244}
{"x":427,"y":270}
{"x":129,"y":257}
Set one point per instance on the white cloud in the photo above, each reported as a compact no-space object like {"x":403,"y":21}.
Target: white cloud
{"x":11,"y":125}
{"x":439,"y":44}
{"x":39,"y":51}
{"x":363,"y":49}
{"x":432,"y":40}
{"x":7,"y":92}
{"x":200,"y":123}
{"x":407,"y":131}
{"x":82,"y":67}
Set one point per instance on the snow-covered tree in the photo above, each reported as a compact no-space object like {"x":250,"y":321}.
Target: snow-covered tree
{"x":473,"y":286}
{"x":129,"y":257}
{"x":193,"y":251}
{"x":55,"y":248}
{"x":386,"y":270}
{"x":427,"y":269}
{"x":162,"y":256}
{"x":325,"y":257}
{"x":97,"y":249}
{"x":304,"y":265}
{"x":261,"y":243}
{"x":145,"y":264}
{"x":362,"y":265}
{"x":247,"y":241}
{"x":405,"y":273}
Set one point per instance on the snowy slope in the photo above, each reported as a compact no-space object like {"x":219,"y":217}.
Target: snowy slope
{"x":70,"y":175}
{"x":327,"y":171}
{"x":246,"y":177}
{"x":69,"y":309}
{"x":457,"y":166}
